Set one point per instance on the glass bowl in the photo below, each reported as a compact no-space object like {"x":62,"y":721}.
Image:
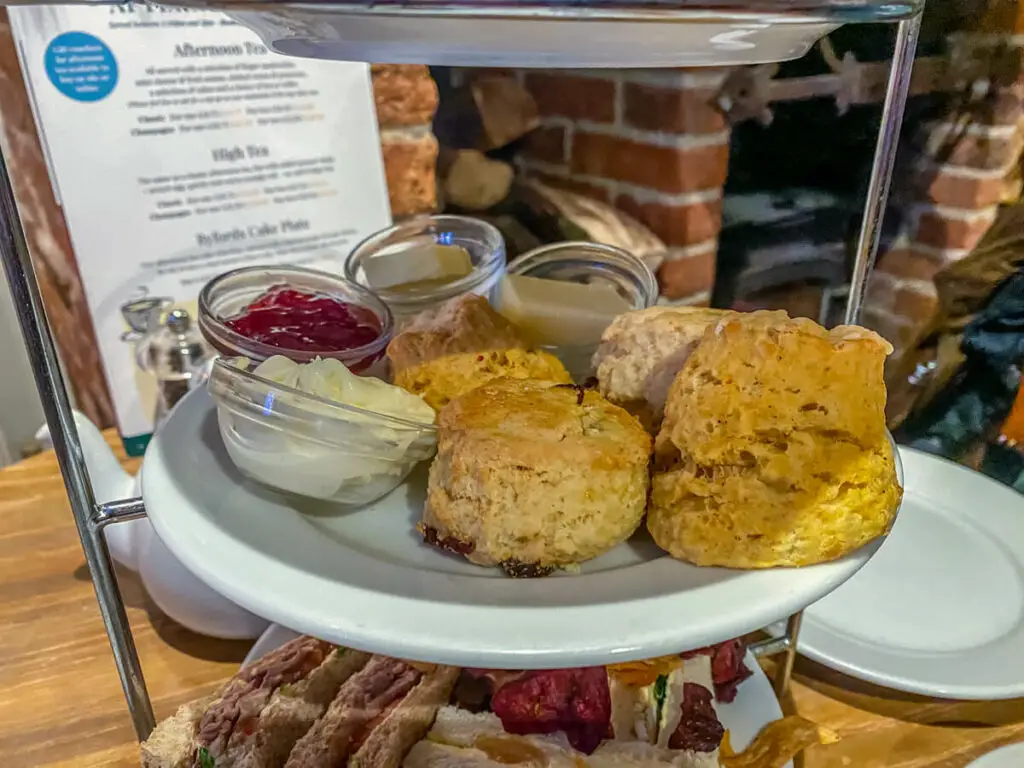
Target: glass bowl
{"x":308,"y":446}
{"x":483,"y":242}
{"x":584,"y":262}
{"x":227,"y":295}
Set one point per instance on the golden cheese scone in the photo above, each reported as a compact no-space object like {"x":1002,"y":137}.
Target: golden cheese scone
{"x":441,"y":380}
{"x":641,"y":352}
{"x":532,"y":475}
{"x":773,"y":450}
{"x":466,"y":323}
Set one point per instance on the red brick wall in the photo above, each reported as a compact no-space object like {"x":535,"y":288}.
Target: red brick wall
{"x":958,"y":180}
{"x":652,"y":143}
{"x":406,"y":99}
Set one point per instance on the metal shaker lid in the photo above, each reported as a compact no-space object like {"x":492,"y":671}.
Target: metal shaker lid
{"x":175,"y":349}
{"x":142,"y":314}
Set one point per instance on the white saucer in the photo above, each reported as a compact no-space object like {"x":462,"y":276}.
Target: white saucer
{"x":1011,"y":756}
{"x":754,"y":706}
{"x":940,"y":610}
{"x":364,"y":578}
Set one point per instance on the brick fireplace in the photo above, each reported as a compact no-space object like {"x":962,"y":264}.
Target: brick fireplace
{"x":650,"y":142}
{"x":963,"y":167}
{"x":655,"y":145}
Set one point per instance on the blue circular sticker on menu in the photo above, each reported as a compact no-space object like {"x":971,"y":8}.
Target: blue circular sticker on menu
{"x":81,"y":66}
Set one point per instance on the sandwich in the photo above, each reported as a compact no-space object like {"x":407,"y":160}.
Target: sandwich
{"x":310,"y":704}
{"x":258,"y":715}
{"x":659,"y":713}
{"x":684,"y":717}
{"x":567,"y":714}
{"x":305,"y":705}
{"x":378,"y":714}
{"x":668,"y":703}
{"x":463,"y":738}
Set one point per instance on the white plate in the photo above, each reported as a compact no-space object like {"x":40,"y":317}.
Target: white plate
{"x":305,"y":30}
{"x":754,"y":706}
{"x":1011,"y":756}
{"x":364,"y":578}
{"x":940,"y":609}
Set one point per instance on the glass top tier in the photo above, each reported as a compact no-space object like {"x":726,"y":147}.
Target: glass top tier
{"x":546,"y":33}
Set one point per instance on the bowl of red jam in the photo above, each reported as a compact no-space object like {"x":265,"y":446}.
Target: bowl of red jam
{"x":302,"y":314}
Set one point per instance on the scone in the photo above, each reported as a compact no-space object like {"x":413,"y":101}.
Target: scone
{"x":773,"y":450}
{"x":641,"y":352}
{"x":533,"y":476}
{"x":466,"y":323}
{"x":441,"y":380}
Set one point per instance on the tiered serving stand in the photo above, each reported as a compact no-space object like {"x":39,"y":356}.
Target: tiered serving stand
{"x":381,"y":31}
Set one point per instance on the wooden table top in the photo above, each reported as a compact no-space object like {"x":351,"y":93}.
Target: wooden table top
{"x":61,"y":702}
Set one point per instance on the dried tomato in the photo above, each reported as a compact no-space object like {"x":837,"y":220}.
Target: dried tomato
{"x":575,"y":701}
{"x":699,"y":729}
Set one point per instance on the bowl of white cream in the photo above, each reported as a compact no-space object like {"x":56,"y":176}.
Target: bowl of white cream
{"x":318,"y":430}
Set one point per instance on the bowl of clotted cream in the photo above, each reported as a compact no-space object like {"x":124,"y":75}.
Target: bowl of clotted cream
{"x":318,"y":430}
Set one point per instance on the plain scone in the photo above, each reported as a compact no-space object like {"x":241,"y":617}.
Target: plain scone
{"x":441,"y":380}
{"x":773,"y":451}
{"x":533,"y":476}
{"x":641,"y":352}
{"x":466,"y":323}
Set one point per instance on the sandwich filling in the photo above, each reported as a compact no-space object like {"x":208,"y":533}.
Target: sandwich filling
{"x":234,"y":715}
{"x":727,"y":667}
{"x":574,"y":701}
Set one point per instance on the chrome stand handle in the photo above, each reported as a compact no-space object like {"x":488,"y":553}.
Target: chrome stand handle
{"x":883,"y":162}
{"x":42,"y":354}
{"x":784,"y":673}
{"x":118,"y":512}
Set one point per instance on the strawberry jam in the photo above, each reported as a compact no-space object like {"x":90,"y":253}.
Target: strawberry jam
{"x":303,"y":321}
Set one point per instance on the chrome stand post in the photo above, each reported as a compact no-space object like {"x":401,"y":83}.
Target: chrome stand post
{"x":883,"y":163}
{"x":43,"y":356}
{"x":785,"y":669}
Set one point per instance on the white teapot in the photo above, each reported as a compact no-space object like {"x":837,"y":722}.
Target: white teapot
{"x":135,"y":545}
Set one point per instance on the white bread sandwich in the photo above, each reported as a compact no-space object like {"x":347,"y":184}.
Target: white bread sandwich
{"x":567,"y":718}
{"x":460,"y":737}
{"x":668,"y":703}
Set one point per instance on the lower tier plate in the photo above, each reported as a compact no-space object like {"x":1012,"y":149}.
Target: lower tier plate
{"x":940,"y":611}
{"x":364,"y":578}
{"x":753,"y":708}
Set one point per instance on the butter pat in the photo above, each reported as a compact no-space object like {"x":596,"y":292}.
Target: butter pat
{"x":431,"y":265}
{"x":557,"y":312}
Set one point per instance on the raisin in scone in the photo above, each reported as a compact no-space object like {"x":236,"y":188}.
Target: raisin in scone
{"x":773,"y":450}
{"x":532,"y":476}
